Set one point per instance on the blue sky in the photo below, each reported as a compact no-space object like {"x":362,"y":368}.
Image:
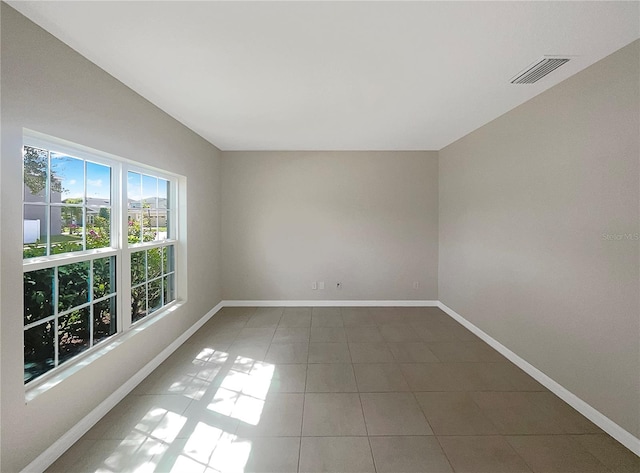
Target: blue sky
{"x":71,"y":173}
{"x":142,"y":186}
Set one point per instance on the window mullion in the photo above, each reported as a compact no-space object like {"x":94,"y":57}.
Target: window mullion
{"x":124,"y":262}
{"x":91,"y":305}
{"x":56,"y":295}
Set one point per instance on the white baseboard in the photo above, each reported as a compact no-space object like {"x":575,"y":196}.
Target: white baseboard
{"x":620,"y":434}
{"x":339,"y":303}
{"x":51,"y":454}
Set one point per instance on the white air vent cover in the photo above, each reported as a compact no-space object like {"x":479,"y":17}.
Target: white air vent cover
{"x":539,"y":69}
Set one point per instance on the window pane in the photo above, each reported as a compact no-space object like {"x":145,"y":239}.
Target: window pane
{"x":168,"y":259}
{"x":163,"y":194}
{"x":98,"y":227}
{"x":135,"y":226}
{"x":138,"y":267}
{"x":73,"y":334}
{"x":162,"y":225}
{"x":38,"y":351}
{"x":66,"y":229}
{"x":169,"y":288}
{"x":149,"y":229}
{"x":38,"y":294}
{"x":36,"y":168}
{"x":98,"y":184}
{"x":155,"y":295}
{"x":138,"y":302}
{"x":154,"y":221}
{"x":149,"y":192}
{"x":104,"y":319}
{"x":104,"y":277}
{"x":67,"y":179}
{"x":73,"y":285}
{"x":134,"y":191}
{"x":154,"y":263}
{"x":34,"y":231}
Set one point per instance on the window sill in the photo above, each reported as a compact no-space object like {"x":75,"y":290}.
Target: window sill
{"x":35,"y":389}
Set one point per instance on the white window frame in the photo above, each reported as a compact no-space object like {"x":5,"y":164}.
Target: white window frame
{"x":120,"y":247}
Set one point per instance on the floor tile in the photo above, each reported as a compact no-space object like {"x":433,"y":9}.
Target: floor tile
{"x":331,"y":377}
{"x":326,"y":317}
{"x":238,"y":311}
{"x":332,"y":414}
{"x":433,"y":377}
{"x":280,"y":415}
{"x":233,"y":398}
{"x":204,"y":421}
{"x":328,"y":334}
{"x":398,"y":333}
{"x":385,"y":315}
{"x":256,"y":334}
{"x":249,"y":349}
{"x":159,"y":415}
{"x":325,"y":311}
{"x":379,"y":377}
{"x":454,"y":413}
{"x":555,"y":454}
{"x":393,"y":414}
{"x":412,"y":352}
{"x":482,"y":376}
{"x":287,"y":353}
{"x":69,"y":460}
{"x":517,"y":413}
{"x":269,"y":311}
{"x":135,"y":453}
{"x":408,"y":454}
{"x":610,"y":453}
{"x":291,"y":335}
{"x":335,"y":454}
{"x":296,"y":317}
{"x":465,"y":351}
{"x":228,"y":320}
{"x":484,"y":454}
{"x":518,"y":379}
{"x":265,"y":317}
{"x":370,"y":352}
{"x":329,"y":353}
{"x":288,"y":378}
{"x":357,"y":317}
{"x":434,"y":332}
{"x":572,"y":421}
{"x":267,"y":455}
{"x":365,"y":333}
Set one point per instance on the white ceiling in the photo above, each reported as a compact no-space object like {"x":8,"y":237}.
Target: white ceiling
{"x":335,"y":75}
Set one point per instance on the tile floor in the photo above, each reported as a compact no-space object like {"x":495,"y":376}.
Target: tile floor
{"x":342,"y":390}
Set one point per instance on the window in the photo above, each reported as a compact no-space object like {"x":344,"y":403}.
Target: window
{"x":98,"y":256}
{"x":152,"y":269}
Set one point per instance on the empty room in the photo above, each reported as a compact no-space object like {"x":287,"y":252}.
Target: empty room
{"x":320,"y":236}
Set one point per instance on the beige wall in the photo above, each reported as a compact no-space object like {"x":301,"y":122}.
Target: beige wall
{"x":365,"y":219}
{"x":49,"y":88}
{"x":526,"y":206}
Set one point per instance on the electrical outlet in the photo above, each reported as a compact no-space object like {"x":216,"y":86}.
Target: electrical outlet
{"x":339,"y":285}
{"x":314,"y":285}
{"x":321,"y":285}
{"x":416,"y":285}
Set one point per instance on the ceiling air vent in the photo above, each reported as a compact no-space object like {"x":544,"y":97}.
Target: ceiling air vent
{"x":539,"y":69}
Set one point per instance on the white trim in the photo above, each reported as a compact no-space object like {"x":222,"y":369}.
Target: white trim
{"x":51,"y":454}
{"x":620,"y":434}
{"x":322,"y":303}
